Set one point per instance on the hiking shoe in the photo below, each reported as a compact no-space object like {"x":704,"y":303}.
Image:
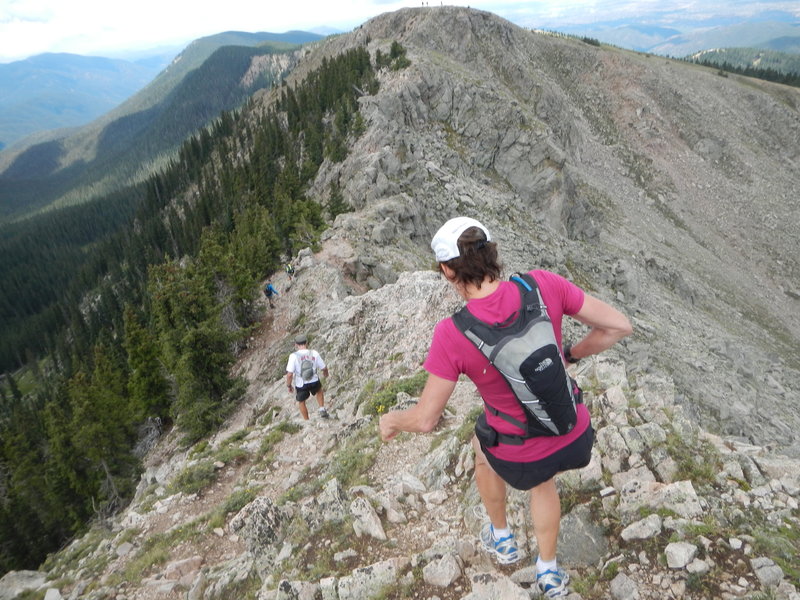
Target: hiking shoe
{"x":553,"y":584}
{"x":504,"y":549}
{"x":323,"y":413}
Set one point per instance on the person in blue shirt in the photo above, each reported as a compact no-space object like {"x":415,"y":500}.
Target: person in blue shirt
{"x":269,"y":293}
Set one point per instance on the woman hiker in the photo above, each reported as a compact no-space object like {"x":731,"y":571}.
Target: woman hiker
{"x":504,"y":452}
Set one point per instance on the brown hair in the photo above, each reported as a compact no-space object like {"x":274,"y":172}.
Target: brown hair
{"x":477,"y":258}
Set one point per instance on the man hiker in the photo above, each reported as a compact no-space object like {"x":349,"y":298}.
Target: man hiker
{"x":289,"y":270}
{"x":302,"y":376}
{"x":269,"y":292}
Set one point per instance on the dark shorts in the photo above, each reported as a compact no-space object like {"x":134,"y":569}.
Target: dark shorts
{"x":524,"y":476}
{"x":302,"y":393}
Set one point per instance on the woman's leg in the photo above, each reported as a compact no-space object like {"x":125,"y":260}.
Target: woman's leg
{"x":546,"y":515}
{"x":491,"y":488}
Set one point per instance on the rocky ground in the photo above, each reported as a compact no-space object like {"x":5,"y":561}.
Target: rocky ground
{"x":275,"y":507}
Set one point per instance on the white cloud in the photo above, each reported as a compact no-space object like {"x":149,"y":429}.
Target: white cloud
{"x":101,"y":27}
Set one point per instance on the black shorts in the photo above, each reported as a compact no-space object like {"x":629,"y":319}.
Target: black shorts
{"x":302,"y":393}
{"x":526,"y":475}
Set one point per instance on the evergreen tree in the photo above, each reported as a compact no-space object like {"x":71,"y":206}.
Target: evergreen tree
{"x":147,"y":386}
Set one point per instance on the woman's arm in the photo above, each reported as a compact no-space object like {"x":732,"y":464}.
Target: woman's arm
{"x":608,"y":326}
{"x":423,"y":416}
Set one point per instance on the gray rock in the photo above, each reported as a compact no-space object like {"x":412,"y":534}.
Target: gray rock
{"x":366,"y":582}
{"x":624,"y":588}
{"x":642,"y":530}
{"x":698,"y":566}
{"x":768,"y":573}
{"x":679,"y":497}
{"x":14,"y":583}
{"x":493,"y":585}
{"x":260,"y":524}
{"x":296,"y":590}
{"x":680,"y":554}
{"x":124,"y":549}
{"x":581,"y":541}
{"x":366,"y":519}
{"x":442,"y":572}
{"x":613,"y":449}
{"x":330,"y":505}
{"x":432,"y":469}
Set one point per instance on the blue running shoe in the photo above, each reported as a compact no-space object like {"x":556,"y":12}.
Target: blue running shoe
{"x":553,"y":584}
{"x":504,"y":549}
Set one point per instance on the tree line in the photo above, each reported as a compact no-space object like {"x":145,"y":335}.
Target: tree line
{"x":768,"y":74}
{"x":144,"y":299}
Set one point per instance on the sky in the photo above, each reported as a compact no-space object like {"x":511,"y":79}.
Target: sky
{"x":118,"y":27}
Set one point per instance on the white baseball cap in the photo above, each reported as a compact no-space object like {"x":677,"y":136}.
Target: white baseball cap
{"x":445,"y":242}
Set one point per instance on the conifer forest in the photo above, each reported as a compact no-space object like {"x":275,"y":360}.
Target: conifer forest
{"x":124,"y":314}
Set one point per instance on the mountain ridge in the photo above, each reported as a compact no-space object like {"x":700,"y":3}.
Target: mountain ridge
{"x":658,"y":186}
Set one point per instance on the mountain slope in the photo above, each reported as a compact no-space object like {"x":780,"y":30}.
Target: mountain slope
{"x":135,"y":138}
{"x":656,"y":185}
{"x":52,"y":91}
{"x":663,"y":185}
{"x":742,"y":58}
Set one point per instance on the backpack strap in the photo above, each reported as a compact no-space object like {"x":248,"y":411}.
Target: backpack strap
{"x":529,"y":290}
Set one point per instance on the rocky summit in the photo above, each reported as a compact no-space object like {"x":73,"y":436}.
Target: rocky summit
{"x":665,"y":188}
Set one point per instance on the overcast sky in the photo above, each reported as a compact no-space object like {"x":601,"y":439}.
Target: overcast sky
{"x":109,"y":27}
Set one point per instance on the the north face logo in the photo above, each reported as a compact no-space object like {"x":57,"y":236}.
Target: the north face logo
{"x":543,"y":365}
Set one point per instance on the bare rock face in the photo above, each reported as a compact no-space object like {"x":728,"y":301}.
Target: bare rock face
{"x":661,"y":186}
{"x":15,"y":583}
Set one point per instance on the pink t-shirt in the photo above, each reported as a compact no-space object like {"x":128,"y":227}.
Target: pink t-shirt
{"x":451,"y":354}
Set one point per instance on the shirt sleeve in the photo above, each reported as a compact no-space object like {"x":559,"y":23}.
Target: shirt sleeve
{"x":567,"y":294}
{"x":441,"y":360}
{"x":290,"y":364}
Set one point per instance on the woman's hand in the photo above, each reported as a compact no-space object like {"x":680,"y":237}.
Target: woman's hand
{"x":424,"y":415}
{"x":387,"y":430}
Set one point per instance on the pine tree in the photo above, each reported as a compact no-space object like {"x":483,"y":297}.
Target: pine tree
{"x":147,"y":385}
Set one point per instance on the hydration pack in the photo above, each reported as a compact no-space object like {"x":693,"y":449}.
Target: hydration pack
{"x":308,"y":368}
{"x":525,"y":352}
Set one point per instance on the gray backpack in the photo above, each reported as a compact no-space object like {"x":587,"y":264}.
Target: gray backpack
{"x":308,"y":368}
{"x":525,"y":352}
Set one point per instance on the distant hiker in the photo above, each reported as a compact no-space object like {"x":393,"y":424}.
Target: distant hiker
{"x":289,"y":270}
{"x":303,"y":370}
{"x":269,"y":293}
{"x":511,"y":445}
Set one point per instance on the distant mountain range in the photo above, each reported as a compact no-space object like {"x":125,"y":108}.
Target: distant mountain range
{"x":121,"y":125}
{"x":53,"y":91}
{"x":50,"y":91}
{"x":684,"y":39}
{"x":743,"y":58}
{"x":207,"y":78}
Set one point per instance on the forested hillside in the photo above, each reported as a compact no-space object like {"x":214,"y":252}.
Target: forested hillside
{"x":134,"y":315}
{"x":770,"y":65}
{"x":141,"y":134}
{"x":55,"y":245}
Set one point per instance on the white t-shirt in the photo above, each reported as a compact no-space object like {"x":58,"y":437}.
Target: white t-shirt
{"x":293,"y":366}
